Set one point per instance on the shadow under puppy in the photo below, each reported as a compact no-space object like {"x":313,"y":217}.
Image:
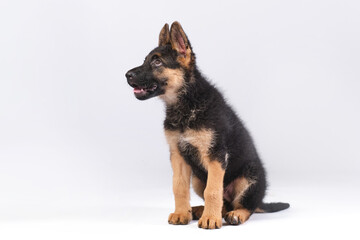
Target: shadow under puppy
{"x":208,"y":143}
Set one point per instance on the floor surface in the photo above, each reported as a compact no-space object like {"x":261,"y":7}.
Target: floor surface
{"x":317,"y":212}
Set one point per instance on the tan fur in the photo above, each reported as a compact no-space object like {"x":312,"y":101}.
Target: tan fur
{"x":202,"y":140}
{"x":181,"y":183}
{"x":197,"y":212}
{"x":175,"y":80}
{"x":238,"y":216}
{"x":241,"y":185}
{"x":198,"y":186}
{"x":186,"y":60}
{"x":213,"y":194}
{"x":259,"y":210}
{"x":172,"y":138}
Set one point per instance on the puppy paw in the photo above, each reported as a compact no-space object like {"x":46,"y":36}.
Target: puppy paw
{"x":237,"y":216}
{"x":180,"y":218}
{"x":210,"y":222}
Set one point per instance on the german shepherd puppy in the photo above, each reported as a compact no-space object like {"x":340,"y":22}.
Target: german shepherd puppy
{"x":208,"y":143}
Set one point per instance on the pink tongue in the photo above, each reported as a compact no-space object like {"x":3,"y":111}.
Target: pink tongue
{"x":138,"y":90}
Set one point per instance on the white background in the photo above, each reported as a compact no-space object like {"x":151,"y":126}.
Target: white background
{"x":80,"y":157}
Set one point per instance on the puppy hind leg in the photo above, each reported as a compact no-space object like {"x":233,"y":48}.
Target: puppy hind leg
{"x":244,"y":202}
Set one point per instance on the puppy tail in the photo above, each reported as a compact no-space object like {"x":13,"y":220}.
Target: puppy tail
{"x":272,"y":207}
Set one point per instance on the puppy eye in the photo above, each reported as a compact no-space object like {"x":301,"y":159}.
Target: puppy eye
{"x":157,"y":62}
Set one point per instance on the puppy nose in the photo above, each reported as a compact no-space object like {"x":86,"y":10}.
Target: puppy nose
{"x":130,"y":75}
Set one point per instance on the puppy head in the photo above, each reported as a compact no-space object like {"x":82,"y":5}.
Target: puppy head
{"x":162,"y":73}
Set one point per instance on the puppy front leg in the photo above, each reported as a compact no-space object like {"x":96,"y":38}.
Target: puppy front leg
{"x":181,"y":189}
{"x":213,"y":195}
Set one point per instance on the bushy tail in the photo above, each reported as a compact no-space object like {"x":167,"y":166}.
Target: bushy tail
{"x":272,"y":207}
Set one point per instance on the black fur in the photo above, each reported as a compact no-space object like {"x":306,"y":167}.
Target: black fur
{"x":273,"y":207}
{"x":212,"y":112}
{"x":200,"y":105}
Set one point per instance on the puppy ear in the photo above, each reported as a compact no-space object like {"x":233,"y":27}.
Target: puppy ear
{"x":164,"y":37}
{"x":179,"y":41}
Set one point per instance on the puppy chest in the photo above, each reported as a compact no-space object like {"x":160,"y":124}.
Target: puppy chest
{"x":193,"y":145}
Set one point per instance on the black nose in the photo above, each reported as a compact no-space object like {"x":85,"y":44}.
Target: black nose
{"x":130,"y":75}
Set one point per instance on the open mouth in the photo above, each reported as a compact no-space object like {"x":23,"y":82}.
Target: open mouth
{"x":142,"y":91}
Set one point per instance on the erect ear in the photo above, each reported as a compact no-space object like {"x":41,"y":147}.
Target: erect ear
{"x":179,"y":41}
{"x":164,"y":37}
